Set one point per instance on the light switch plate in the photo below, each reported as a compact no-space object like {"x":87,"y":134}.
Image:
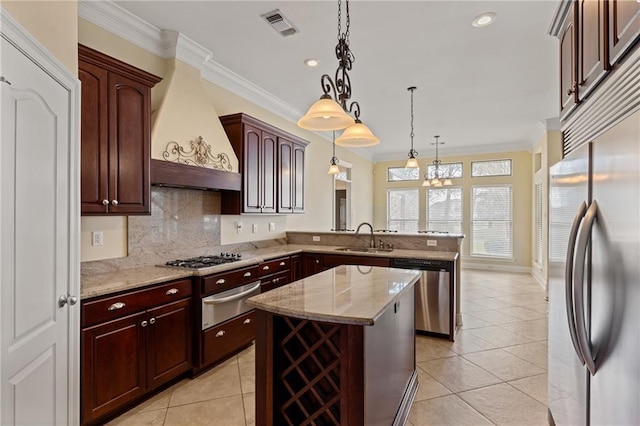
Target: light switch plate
{"x":255,"y":228}
{"x":272,"y":226}
{"x":432,"y":243}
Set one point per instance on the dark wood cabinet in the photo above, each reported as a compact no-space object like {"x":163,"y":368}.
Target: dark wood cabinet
{"x":312,"y":264}
{"x":275,"y":273}
{"x":115,"y":135}
{"x":131,"y":344}
{"x":296,"y":267}
{"x":624,"y":27}
{"x":272,"y":166}
{"x":228,"y":338}
{"x":592,"y":45}
{"x":568,"y":69}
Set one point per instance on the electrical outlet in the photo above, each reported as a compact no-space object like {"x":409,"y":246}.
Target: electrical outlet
{"x":254,"y":228}
{"x":272,"y":226}
{"x":432,"y":243}
{"x":97,"y":238}
{"x":316,"y":238}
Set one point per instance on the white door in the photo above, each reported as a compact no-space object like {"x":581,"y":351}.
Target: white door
{"x":38,"y":224}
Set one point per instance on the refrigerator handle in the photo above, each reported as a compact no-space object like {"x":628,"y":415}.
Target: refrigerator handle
{"x":568,"y":279}
{"x":578,"y":273}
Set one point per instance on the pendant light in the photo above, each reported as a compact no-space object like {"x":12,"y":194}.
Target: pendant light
{"x":332,"y":112}
{"x":437,"y":180}
{"x":412,"y":162}
{"x":333,"y":168}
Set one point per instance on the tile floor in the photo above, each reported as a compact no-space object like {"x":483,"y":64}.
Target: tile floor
{"x":494,"y":373}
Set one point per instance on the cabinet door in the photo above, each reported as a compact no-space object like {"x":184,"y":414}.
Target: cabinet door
{"x":624,"y":27}
{"x":592,"y":62}
{"x":169,"y":342}
{"x":94,"y":139}
{"x":252,"y":169}
{"x":312,"y":264}
{"x":129,"y":145}
{"x":296,"y":268}
{"x":269,"y":164}
{"x":113,"y":365}
{"x":298,"y":178}
{"x":285,"y":176}
{"x":568,"y":72}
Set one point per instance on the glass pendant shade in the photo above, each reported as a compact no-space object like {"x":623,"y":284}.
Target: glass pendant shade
{"x":325,"y":114}
{"x":357,"y":136}
{"x":426,"y":183}
{"x":412,"y":163}
{"x":333,"y":169}
{"x":447,"y":182}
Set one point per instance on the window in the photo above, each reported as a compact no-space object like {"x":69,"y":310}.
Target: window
{"x":402,"y":210}
{"x":396,"y":174}
{"x":539,"y":239}
{"x":450,"y":170}
{"x":491,"y":168}
{"x":444,"y":210}
{"x":491,"y":221}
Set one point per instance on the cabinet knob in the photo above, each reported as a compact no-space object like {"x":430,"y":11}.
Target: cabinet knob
{"x":281,"y":263}
{"x":105,"y":202}
{"x":152,"y":321}
{"x":247,"y":321}
{"x":220,"y":333}
{"x":247,"y":274}
{"x":317,"y":261}
{"x":115,"y":306}
{"x":275,"y":280}
{"x":172,"y":291}
{"x":114,"y":202}
{"x":144,"y":323}
{"x":265,"y":268}
{"x":572,"y":90}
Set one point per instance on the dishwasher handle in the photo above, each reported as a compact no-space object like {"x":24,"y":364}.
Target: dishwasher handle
{"x":214,"y":301}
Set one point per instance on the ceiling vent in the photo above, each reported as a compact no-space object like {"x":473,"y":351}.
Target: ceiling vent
{"x":279,"y":23}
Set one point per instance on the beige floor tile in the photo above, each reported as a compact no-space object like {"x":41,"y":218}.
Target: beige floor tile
{"x":504,"y":365}
{"x":523,"y":299}
{"x":155,"y":417}
{"x":468,"y":306}
{"x":494,"y":317}
{"x":535,"y":353}
{"x":446,"y":410}
{"x":247,"y":355}
{"x":457,"y":374}
{"x":523,"y":313}
{"x":500,"y":337}
{"x":227,"y":411}
{"x":491,"y":303}
{"x":539,"y":307}
{"x":429,"y":387}
{"x":249,"y":401}
{"x":156,"y":402}
{"x":534,"y":330}
{"x":535,"y":387}
{"x":465,"y":342}
{"x":472,"y":321}
{"x":222,"y":381}
{"x":428,"y":348}
{"x":247,"y":377}
{"x":505,"y":405}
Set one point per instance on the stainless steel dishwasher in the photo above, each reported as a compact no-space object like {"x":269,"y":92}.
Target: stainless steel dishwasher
{"x":433,"y":294}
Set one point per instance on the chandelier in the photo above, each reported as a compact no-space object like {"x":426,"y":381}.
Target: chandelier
{"x":412,"y":162}
{"x":438,"y":179}
{"x":332,"y":112}
{"x":333,"y":168}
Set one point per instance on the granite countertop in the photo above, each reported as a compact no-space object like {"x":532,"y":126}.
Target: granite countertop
{"x":346,"y":294}
{"x":127,"y":279}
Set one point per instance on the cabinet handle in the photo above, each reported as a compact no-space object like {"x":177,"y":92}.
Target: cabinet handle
{"x":247,"y":321}
{"x":317,"y":261}
{"x":247,"y":274}
{"x":572,"y":90}
{"x":152,"y":321}
{"x":172,"y":291}
{"x":105,"y":202}
{"x":281,"y":263}
{"x":115,"y":306}
{"x":265,"y":268}
{"x":144,"y":323}
{"x":220,"y":333}
{"x":220,"y":281}
{"x":114,"y":202}
{"x":275,"y":280}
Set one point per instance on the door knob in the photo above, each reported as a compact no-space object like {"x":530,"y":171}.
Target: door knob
{"x":64,"y":299}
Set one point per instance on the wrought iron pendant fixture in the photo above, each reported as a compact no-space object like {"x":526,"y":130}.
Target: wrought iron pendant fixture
{"x":412,"y":162}
{"x":437,"y":180}
{"x":333,"y":168}
{"x":332,"y":112}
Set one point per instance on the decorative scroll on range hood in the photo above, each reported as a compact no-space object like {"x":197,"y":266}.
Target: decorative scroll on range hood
{"x":189,"y":147}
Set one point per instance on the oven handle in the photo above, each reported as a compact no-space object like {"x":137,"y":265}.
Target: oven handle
{"x":210,"y":301}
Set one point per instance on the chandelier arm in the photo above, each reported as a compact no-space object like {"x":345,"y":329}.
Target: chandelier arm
{"x":354,"y":108}
{"x":328,"y":85}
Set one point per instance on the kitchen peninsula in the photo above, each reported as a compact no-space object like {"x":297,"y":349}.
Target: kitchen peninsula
{"x":337,"y":347}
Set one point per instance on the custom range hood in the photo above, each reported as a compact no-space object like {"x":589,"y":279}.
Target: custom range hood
{"x":189,"y":147}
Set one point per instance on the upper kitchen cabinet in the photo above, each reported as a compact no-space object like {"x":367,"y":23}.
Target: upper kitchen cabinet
{"x":624,"y":27}
{"x":568,"y":74}
{"x":115,"y":135}
{"x":271,"y":162}
{"x":592,"y":43}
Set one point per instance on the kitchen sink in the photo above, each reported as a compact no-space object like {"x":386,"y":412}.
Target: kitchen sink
{"x":364,"y":250}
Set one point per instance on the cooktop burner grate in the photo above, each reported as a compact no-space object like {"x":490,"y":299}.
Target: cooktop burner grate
{"x":205,"y":261}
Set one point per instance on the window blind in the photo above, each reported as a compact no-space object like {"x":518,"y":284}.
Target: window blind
{"x":402,"y":210}
{"x":444,"y":210}
{"x":492,"y":221}
{"x":539,"y":236}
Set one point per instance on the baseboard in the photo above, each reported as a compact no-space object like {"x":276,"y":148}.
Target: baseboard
{"x":536,"y":274}
{"x":494,"y":267}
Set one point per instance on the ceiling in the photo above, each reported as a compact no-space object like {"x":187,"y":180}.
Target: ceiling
{"x":482,"y":89}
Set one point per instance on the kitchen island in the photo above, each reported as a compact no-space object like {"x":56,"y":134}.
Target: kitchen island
{"x":337,"y":347}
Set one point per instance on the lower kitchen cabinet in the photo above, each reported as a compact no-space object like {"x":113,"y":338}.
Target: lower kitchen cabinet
{"x":125,"y":356}
{"x":227,"y":338}
{"x":313,"y":263}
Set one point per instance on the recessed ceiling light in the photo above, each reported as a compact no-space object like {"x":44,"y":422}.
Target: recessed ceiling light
{"x":484,"y":20}
{"x":311,"y":62}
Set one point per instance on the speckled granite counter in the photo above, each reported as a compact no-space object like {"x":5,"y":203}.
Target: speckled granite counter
{"x":343,"y":295}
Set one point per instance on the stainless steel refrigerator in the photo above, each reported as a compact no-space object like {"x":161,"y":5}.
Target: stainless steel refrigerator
{"x":594,"y":281}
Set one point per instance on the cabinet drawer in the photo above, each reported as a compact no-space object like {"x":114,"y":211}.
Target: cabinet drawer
{"x":225,"y":281}
{"x":273,"y":266}
{"x":275,"y":281}
{"x":109,"y":308}
{"x":332,"y":260}
{"x":228,"y":337}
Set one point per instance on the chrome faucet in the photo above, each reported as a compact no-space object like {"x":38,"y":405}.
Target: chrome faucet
{"x":372,"y":244}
